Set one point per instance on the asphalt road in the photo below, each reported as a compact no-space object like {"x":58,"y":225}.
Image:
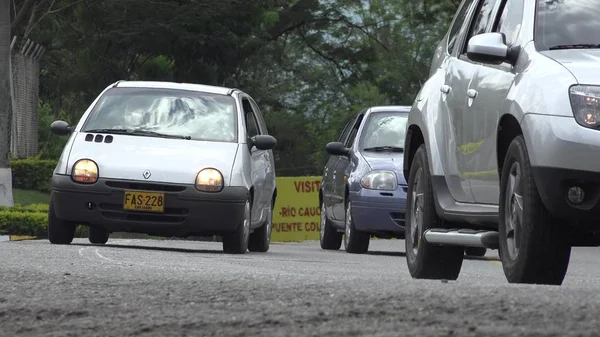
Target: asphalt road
{"x":181,"y":288}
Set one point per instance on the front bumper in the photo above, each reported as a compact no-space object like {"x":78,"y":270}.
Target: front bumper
{"x":379,"y":211}
{"x":188,"y":212}
{"x":564,"y":154}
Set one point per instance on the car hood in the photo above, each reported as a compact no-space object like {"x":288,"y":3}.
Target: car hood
{"x":584,"y":64}
{"x":386,"y":161}
{"x":169,"y":160}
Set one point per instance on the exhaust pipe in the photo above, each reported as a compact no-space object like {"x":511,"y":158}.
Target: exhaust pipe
{"x":462,"y":237}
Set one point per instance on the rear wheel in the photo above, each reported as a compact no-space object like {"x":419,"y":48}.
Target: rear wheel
{"x":237,"y":242}
{"x":260,"y":239}
{"x":330,"y":238}
{"x":355,"y":241}
{"x":60,"y":232}
{"x":98,"y":235}
{"x":532,"y":244}
{"x":426,"y":261}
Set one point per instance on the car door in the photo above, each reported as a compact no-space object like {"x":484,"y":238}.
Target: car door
{"x":492,"y":84}
{"x":340,"y":173}
{"x":327,"y":183}
{"x":471,"y":131}
{"x":257,"y":159}
{"x":458,"y":75}
{"x":267,"y":158}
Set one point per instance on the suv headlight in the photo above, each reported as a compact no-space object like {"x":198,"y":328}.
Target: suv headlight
{"x":85,"y":171}
{"x":585,"y":102}
{"x":209,"y":180}
{"x":379,"y":180}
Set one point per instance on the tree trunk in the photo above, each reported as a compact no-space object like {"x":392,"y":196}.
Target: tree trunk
{"x":6,"y":198}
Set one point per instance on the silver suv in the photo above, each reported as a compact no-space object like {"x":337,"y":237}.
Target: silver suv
{"x":500,"y":137}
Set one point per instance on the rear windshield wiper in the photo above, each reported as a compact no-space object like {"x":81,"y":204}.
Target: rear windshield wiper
{"x":138,"y":133}
{"x":575,"y":46}
{"x":384,"y":148}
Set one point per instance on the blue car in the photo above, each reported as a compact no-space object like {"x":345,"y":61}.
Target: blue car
{"x":363,"y":191}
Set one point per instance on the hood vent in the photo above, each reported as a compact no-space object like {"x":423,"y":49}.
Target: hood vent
{"x":98,"y":139}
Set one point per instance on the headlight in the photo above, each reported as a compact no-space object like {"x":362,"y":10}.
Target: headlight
{"x":585,"y":102}
{"x":85,"y":171}
{"x":209,"y":180}
{"x":380,"y":180}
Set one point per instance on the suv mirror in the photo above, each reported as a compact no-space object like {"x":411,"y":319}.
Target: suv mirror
{"x":337,"y":149}
{"x":264,"y":142}
{"x":60,"y":128}
{"x":487,"y":48}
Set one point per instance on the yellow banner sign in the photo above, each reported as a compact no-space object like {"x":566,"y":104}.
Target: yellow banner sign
{"x":297,"y":214}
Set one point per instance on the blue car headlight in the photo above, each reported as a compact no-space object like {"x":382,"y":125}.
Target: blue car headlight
{"x":380,"y":180}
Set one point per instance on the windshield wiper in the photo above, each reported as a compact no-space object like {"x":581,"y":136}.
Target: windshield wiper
{"x":384,"y":148}
{"x":137,"y":133}
{"x":575,"y":46}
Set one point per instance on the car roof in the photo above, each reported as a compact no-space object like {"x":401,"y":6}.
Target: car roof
{"x":178,"y":86}
{"x":383,"y":108}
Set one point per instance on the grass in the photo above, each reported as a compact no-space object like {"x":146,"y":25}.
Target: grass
{"x":28,"y":197}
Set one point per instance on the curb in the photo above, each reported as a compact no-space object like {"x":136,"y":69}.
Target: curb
{"x":16,"y":237}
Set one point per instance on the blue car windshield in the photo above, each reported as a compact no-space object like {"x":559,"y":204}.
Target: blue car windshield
{"x":567,"y":24}
{"x":165,"y":113}
{"x":384,"y":130}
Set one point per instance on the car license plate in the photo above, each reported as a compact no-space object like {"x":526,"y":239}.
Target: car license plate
{"x":144,"y":201}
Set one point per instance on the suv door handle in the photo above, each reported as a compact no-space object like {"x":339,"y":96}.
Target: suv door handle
{"x":445,"y":89}
{"x":472,"y":93}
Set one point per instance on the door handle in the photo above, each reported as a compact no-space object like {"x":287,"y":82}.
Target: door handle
{"x":445,"y":89}
{"x":472,"y":93}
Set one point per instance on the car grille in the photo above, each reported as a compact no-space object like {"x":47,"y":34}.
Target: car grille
{"x":135,"y":185}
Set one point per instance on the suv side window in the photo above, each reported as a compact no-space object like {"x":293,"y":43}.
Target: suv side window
{"x":251,"y":124}
{"x":457,"y":24}
{"x":509,"y":22}
{"x":481,"y":21}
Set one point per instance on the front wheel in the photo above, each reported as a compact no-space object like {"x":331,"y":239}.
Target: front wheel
{"x":98,"y":235}
{"x":426,"y":261}
{"x":355,"y":241}
{"x":237,"y":242}
{"x":260,"y":239}
{"x":60,"y":232}
{"x":532,"y":244}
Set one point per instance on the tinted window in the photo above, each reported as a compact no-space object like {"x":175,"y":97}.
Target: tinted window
{"x":458,"y":22}
{"x":482,"y":19}
{"x":384,"y":129}
{"x":566,"y":23}
{"x":202,"y":116}
{"x":251,"y":124}
{"x":346,"y":130}
{"x":510,"y":21}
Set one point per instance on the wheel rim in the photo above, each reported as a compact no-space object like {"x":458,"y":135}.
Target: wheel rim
{"x":247,"y":221}
{"x":348,"y":224}
{"x":513,"y":211}
{"x":416,"y":219}
{"x":323,"y":220}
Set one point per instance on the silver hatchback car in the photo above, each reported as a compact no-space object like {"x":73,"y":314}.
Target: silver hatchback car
{"x":502,"y":141}
{"x":166,"y":159}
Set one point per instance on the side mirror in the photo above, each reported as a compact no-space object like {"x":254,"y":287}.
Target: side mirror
{"x":337,"y":149}
{"x":264,"y":142}
{"x":60,"y":128}
{"x":488,"y":48}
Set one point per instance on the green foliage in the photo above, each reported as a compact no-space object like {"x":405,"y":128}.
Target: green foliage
{"x":29,"y":197}
{"x":32,"y":173}
{"x":30,"y":220}
{"x":50,"y":145}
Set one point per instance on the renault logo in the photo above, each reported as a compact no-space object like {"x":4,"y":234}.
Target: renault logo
{"x":147,"y":174}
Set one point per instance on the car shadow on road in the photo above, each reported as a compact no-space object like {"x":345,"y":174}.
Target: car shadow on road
{"x":400,"y":254}
{"x":163,"y":249}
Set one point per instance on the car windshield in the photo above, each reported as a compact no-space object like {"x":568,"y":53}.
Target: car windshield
{"x":165,"y":113}
{"x":567,"y":24}
{"x":384,"y":131}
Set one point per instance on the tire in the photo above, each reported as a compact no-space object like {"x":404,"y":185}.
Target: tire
{"x":237,"y":242}
{"x":98,"y":235}
{"x":60,"y":232}
{"x":355,"y":241}
{"x":426,"y":261}
{"x":329,"y":237}
{"x":475,"y":251}
{"x":260,"y":240}
{"x":532,"y":244}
